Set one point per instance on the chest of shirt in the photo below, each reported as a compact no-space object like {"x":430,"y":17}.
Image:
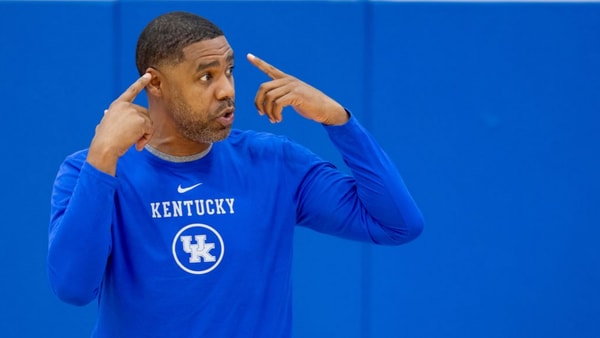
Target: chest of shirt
{"x":200,"y":221}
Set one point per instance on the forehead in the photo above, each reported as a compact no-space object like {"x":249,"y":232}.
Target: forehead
{"x":217,"y":49}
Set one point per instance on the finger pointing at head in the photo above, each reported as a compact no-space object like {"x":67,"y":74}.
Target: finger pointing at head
{"x":268,"y":69}
{"x":133,"y":91}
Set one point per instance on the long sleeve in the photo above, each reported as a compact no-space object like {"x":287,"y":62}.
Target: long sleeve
{"x":79,"y":236}
{"x":372,"y":205}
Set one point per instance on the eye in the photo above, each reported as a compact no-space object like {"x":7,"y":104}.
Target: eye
{"x":205,"y":77}
{"x":229,"y":71}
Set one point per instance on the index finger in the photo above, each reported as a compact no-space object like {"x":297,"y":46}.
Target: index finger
{"x":133,"y":91}
{"x":268,"y":69}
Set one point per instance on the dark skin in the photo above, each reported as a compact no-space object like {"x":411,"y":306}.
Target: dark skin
{"x":203,"y":85}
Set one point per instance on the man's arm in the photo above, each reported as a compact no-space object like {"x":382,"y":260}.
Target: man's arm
{"x":372,"y":205}
{"x":79,"y":236}
{"x":83,"y":199}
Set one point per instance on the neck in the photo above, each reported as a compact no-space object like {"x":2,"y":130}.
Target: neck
{"x":167,"y":139}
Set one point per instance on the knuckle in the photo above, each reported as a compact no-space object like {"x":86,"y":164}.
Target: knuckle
{"x":270,"y":97}
{"x":117,"y":105}
{"x":140,"y":119}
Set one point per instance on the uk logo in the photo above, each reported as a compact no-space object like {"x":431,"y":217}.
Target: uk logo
{"x":198,"y":248}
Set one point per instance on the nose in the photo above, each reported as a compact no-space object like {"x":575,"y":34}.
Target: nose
{"x":226,"y":88}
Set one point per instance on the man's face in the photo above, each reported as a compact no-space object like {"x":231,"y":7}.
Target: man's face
{"x":200,"y":91}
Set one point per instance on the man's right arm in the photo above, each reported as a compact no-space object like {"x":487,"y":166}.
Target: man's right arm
{"x":79,"y":235}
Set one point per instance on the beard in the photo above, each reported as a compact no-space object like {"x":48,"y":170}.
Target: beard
{"x":200,"y":127}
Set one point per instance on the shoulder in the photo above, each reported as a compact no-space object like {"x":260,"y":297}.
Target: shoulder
{"x":257,"y":142}
{"x":268,"y":146}
{"x":253,"y":138}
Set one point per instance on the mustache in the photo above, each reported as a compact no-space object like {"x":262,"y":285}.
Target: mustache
{"x":226,"y":104}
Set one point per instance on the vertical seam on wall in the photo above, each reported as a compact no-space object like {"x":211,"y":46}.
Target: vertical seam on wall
{"x":367,"y":120}
{"x":116,"y":48}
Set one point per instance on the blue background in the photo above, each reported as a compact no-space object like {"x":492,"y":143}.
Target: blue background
{"x":490,"y":110}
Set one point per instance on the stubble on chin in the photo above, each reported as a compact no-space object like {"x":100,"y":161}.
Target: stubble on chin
{"x":205,"y":130}
{"x":204,"y":134}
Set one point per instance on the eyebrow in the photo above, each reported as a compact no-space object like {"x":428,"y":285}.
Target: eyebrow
{"x":215,"y":63}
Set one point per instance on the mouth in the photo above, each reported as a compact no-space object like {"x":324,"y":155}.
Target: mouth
{"x":226,"y":117}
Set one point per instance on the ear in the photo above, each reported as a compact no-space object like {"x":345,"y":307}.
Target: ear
{"x":154,"y":88}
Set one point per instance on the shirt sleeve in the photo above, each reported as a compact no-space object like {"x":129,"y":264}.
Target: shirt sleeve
{"x":79,"y":234}
{"x":373,"y":204}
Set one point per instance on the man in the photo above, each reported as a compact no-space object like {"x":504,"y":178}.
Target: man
{"x":180,"y":225}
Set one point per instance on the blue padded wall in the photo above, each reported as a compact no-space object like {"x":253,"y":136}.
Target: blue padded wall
{"x":489,"y":109}
{"x":495,"y":116}
{"x":56,"y":61}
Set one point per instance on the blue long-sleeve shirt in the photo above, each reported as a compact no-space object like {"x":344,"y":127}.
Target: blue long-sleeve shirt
{"x":204,"y":247}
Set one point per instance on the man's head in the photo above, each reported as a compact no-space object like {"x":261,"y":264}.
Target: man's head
{"x":163,"y":39}
{"x":191,"y":94}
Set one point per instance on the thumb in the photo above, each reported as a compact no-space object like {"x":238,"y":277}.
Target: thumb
{"x":141,"y":143}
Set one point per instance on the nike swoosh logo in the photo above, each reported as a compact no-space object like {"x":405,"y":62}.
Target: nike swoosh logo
{"x":184,"y":190}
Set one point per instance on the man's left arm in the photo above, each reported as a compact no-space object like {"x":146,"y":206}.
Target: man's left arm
{"x":373,"y":204}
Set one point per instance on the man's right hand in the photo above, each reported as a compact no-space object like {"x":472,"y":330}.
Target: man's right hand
{"x":124,"y":124}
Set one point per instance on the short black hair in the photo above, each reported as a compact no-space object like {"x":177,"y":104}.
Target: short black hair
{"x":165,"y":37}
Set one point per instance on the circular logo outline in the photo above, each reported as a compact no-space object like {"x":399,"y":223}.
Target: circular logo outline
{"x":198,"y":225}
